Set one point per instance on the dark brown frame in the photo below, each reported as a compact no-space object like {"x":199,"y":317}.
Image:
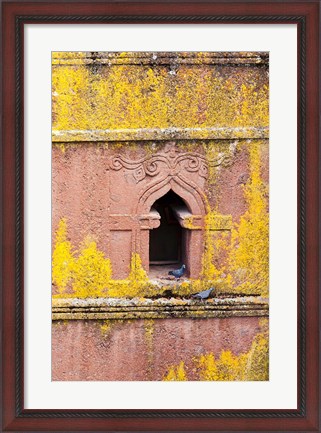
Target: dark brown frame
{"x":303,"y":13}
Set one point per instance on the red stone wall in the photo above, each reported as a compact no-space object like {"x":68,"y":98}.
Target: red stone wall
{"x":110,"y":202}
{"x":127,"y":128}
{"x":143,"y":350}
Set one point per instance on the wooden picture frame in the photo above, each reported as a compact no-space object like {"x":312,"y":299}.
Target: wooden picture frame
{"x":14,"y":16}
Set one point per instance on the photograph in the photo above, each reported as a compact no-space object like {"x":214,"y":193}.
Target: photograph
{"x":160,"y":213}
{"x":160,"y":216}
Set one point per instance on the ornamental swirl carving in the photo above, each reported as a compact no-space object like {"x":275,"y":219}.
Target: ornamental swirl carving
{"x":172,"y":161}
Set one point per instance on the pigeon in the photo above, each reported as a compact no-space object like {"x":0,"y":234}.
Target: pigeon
{"x":178,"y":272}
{"x":203,"y":295}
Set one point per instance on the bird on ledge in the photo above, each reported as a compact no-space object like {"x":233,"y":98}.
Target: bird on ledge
{"x":178,"y":273}
{"x":203,"y":295}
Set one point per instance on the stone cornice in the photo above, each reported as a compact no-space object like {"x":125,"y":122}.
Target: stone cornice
{"x":160,"y":58}
{"x":128,"y":309}
{"x":147,"y":134}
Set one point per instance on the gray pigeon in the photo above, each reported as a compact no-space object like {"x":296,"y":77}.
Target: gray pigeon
{"x":203,"y":295}
{"x":178,"y":272}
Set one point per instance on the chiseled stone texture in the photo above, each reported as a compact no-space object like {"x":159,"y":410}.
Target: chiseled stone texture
{"x":103,"y":192}
{"x":113,"y":308}
{"x":129,"y":127}
{"x":140,"y":350}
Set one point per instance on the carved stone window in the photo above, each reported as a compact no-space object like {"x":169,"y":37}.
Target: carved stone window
{"x":168,"y":242}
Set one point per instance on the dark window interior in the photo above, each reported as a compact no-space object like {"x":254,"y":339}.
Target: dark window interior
{"x":165,"y":246}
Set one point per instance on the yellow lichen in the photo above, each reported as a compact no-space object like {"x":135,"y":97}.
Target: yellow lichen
{"x":249,"y":254}
{"x":149,"y":332}
{"x":63,"y":259}
{"x":68,"y":55}
{"x":190,"y":96}
{"x":155,"y":96}
{"x":91,"y":272}
{"x":137,"y":272}
{"x":240,"y":262}
{"x":250,"y":366}
{"x":136,"y":285}
{"x":176,"y":373}
{"x":209,"y":270}
{"x":227,"y":367}
{"x":216,"y":242}
{"x":105,"y":327}
{"x":70,"y":86}
{"x":257,"y":367}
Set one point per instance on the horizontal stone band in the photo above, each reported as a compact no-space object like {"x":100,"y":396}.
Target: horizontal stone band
{"x":160,"y":58}
{"x":112,"y":308}
{"x":145,"y":134}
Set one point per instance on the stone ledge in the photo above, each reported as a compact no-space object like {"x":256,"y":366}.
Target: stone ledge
{"x":160,"y":58}
{"x":145,"y":134}
{"x":125,"y":309}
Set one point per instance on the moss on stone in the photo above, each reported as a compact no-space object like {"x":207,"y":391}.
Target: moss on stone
{"x":250,"y":366}
{"x":129,"y":96}
{"x":63,"y":258}
{"x":248,"y":262}
{"x":192,"y":98}
{"x":176,"y":373}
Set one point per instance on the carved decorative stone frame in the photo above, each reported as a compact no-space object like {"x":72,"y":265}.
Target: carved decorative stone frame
{"x":168,"y":172}
{"x":306,"y":417}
